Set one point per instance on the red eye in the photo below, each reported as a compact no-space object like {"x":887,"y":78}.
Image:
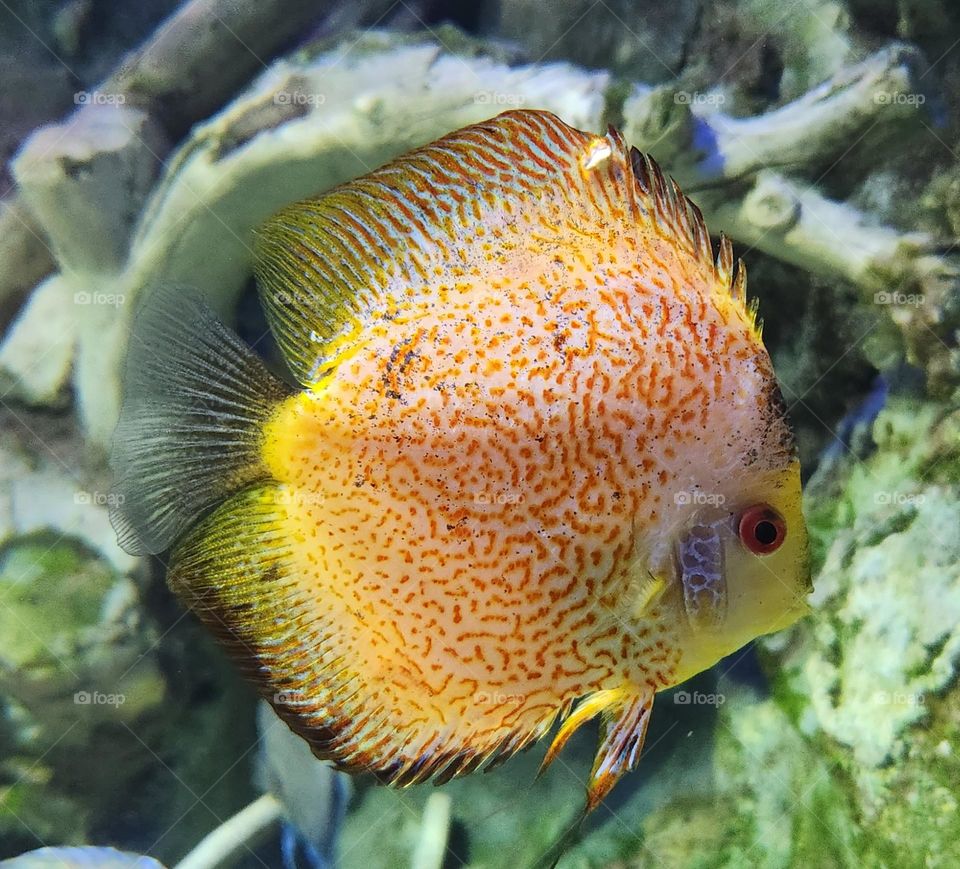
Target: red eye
{"x":762,"y":529}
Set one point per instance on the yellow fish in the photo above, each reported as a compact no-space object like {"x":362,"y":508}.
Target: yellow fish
{"x":536,"y":468}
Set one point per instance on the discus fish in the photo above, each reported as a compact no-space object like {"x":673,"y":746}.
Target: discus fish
{"x":536,"y":467}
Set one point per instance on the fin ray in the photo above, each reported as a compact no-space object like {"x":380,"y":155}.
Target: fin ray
{"x":588,"y":708}
{"x":195,"y":399}
{"x":233,"y":570}
{"x":327,"y":266}
{"x":624,"y":732}
{"x":626,"y":714}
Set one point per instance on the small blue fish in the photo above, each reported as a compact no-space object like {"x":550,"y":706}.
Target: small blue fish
{"x":314,"y":795}
{"x":80,"y":857}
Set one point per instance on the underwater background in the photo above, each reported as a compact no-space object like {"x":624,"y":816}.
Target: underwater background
{"x":142,"y":142}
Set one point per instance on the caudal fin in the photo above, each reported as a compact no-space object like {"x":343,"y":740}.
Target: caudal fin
{"x":195,"y":402}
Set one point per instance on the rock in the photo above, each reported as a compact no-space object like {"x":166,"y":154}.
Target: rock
{"x":25,"y":257}
{"x":41,"y":495}
{"x":85,"y":179}
{"x":879,"y":666}
{"x":643,"y":41}
{"x":77,"y":658}
{"x":36,"y":355}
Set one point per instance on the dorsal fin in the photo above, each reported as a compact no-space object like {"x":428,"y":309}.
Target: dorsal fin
{"x":327,"y":267}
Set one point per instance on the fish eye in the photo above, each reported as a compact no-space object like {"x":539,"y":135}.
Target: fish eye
{"x":762,"y":529}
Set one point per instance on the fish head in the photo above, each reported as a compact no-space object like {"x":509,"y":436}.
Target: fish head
{"x":736,"y":565}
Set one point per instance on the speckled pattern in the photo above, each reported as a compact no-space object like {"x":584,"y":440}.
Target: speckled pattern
{"x":516,"y":348}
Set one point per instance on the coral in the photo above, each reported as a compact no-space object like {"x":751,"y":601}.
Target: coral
{"x":878,"y":667}
{"x":773,"y":801}
{"x":73,"y":662}
{"x":94,"y":687}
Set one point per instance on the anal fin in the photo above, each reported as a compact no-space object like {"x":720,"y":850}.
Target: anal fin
{"x":233,"y":569}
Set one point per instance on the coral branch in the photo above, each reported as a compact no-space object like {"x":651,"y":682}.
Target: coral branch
{"x":242,"y":832}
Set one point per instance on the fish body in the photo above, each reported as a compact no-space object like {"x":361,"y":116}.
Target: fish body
{"x":537,"y":467}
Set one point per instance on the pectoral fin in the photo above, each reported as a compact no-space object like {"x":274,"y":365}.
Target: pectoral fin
{"x":196,"y":400}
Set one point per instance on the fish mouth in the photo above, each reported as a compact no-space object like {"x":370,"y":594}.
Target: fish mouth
{"x":794,"y":613}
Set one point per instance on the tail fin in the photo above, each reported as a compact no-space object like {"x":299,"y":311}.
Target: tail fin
{"x":195,"y":402}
